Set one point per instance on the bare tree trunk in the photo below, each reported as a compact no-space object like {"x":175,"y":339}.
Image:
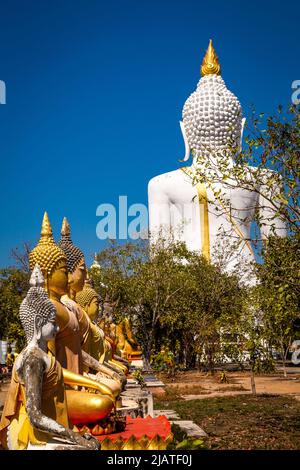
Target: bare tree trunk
{"x":284,"y":366}
{"x":146,"y":366}
{"x":284,"y":352}
{"x":185,"y":356}
{"x":147,"y":351}
{"x":253,"y":386}
{"x":211,"y":363}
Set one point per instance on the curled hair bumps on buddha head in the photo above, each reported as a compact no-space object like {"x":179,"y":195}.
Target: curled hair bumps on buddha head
{"x":36,"y":304}
{"x":212,"y":115}
{"x":73,"y":253}
{"x":46,"y":254}
{"x":84,"y":297}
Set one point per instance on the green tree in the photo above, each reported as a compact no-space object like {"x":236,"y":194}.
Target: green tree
{"x":211,"y":303}
{"x":268,"y":165}
{"x":13,"y":288}
{"x":279,"y":292}
{"x":174,"y":297}
{"x":142,"y":285}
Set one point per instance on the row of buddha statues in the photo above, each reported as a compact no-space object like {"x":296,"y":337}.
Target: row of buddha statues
{"x":72,"y":372}
{"x":67,"y":382}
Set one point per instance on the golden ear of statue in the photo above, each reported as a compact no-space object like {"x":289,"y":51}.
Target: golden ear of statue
{"x":210,"y":64}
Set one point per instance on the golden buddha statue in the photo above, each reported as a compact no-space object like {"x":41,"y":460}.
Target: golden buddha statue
{"x":127,"y":342}
{"x":35,"y":414}
{"x":110,"y":329}
{"x":108,"y":374}
{"x":121,"y":335}
{"x":101,"y":347}
{"x":106,"y":321}
{"x":67,"y":345}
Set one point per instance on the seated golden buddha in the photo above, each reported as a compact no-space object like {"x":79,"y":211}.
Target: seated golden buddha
{"x":67,"y":345}
{"x":110,"y":329}
{"x":101,"y":346}
{"x":90,"y":341}
{"x":127,"y":342}
{"x":35,"y":414}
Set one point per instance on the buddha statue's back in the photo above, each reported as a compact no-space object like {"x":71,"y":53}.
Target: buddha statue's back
{"x":202,"y":204}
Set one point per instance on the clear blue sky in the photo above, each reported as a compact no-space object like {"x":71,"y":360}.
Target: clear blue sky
{"x":95,"y":92}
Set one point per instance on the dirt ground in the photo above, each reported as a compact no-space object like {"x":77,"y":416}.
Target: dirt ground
{"x":193,"y":385}
{"x":196,"y":385}
{"x":231,"y":416}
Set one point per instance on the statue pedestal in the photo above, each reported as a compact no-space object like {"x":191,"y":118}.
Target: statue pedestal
{"x":136,"y":363}
{"x":130,"y":407}
{"x":143,"y":399}
{"x":140,"y":434}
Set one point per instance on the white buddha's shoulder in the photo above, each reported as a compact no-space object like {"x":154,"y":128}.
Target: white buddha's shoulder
{"x":263,"y":175}
{"x":164,"y":181}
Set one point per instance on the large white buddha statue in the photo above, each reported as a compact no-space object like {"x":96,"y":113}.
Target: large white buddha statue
{"x":205,"y":214}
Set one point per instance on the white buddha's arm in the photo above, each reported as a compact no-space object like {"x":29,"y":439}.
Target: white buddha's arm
{"x":159,"y":209}
{"x":269,"y":218}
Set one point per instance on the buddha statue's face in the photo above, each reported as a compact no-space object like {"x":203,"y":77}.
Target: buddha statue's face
{"x":93,"y":309}
{"x":57,"y":282}
{"x":77,"y":278}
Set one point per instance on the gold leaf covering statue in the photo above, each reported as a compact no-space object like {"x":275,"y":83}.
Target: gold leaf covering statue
{"x":120,"y":334}
{"x":127,"y":342}
{"x":35,"y":414}
{"x":107,"y":373}
{"x":67,"y":345}
{"x":101,"y":348}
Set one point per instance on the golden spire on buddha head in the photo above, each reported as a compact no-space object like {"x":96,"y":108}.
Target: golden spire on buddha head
{"x":46,"y":254}
{"x":73,"y":253}
{"x":210,"y":64}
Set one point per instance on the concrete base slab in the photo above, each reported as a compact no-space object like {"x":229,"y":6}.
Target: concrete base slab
{"x":130,"y":386}
{"x":143,"y":398}
{"x":129,"y":408}
{"x":132,"y":382}
{"x":137,"y":364}
{"x":152,"y":381}
{"x":170,"y":414}
{"x":156,"y":383}
{"x":192,"y":429}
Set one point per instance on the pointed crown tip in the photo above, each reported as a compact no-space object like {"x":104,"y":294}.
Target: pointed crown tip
{"x":210,"y":64}
{"x":46,"y":231}
{"x":65,"y":228}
